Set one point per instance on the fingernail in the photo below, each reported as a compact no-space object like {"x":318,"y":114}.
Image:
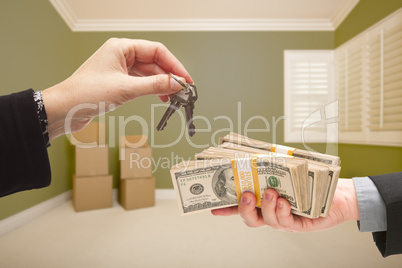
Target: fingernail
{"x":174,"y":85}
{"x":245,"y":200}
{"x":280,"y":205}
{"x":267,"y":197}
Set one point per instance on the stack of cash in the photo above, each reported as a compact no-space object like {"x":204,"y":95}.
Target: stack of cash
{"x":219,"y":175}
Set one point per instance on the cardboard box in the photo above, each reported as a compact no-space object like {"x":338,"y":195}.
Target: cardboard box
{"x":134,"y":141}
{"x":136,"y":163}
{"x":92,"y":161}
{"x":93,"y":134}
{"x":135,"y":157}
{"x":137,"y":193}
{"x":92,"y":192}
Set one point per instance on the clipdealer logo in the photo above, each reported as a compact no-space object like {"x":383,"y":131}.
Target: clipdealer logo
{"x":148,"y":129}
{"x":117,"y":126}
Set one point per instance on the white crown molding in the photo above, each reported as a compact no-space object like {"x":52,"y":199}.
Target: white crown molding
{"x":342,"y":12}
{"x":65,"y":12}
{"x":118,"y":25}
{"x":201,"y":25}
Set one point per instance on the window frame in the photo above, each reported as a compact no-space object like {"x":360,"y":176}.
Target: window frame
{"x":324,"y":112}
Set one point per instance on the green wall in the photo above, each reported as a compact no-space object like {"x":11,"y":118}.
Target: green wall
{"x":372,"y":160}
{"x":235,"y":73}
{"x":36,"y":52}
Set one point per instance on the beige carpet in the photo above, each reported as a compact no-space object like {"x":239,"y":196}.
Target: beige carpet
{"x":160,"y":237}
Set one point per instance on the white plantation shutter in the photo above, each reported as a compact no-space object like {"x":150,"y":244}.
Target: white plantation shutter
{"x":354,"y":93}
{"x":308,"y":89}
{"x":349,"y":86}
{"x":374,"y":77}
{"x":340,"y":73}
{"x":371,"y":110}
{"x":385,"y":87}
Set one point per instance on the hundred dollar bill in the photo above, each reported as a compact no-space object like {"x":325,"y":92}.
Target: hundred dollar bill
{"x":317,"y":174}
{"x":333,"y":177}
{"x":322,"y":177}
{"x":208,"y":184}
{"x":200,"y":186}
{"x":235,"y":138}
{"x":325,"y":188}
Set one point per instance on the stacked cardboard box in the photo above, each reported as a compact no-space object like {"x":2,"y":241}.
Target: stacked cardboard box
{"x":92,"y":183}
{"x":137,"y":185}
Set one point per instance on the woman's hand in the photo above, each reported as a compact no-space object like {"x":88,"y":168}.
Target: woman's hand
{"x":275,"y":211}
{"x":121,"y":70}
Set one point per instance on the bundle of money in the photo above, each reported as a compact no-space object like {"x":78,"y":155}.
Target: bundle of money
{"x":219,"y":175}
{"x":234,"y":138}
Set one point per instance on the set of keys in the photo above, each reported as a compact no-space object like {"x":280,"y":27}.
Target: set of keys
{"x":184,"y":98}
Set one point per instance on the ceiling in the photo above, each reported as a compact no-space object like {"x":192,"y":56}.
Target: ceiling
{"x":205,"y":15}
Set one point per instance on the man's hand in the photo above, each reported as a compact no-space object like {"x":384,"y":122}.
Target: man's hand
{"x":275,"y":211}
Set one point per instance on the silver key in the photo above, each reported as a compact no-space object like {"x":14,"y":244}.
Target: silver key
{"x":186,"y":98}
{"x":189,"y":108}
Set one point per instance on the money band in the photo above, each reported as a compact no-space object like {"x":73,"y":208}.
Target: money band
{"x":246,"y":177}
{"x":282,"y":149}
{"x":271,"y":154}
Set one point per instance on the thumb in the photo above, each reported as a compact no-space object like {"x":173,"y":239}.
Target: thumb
{"x":161,"y":84}
{"x":248,"y":211}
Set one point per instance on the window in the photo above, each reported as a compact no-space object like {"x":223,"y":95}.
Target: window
{"x":349,"y":88}
{"x":309,"y":96}
{"x":368,"y":74}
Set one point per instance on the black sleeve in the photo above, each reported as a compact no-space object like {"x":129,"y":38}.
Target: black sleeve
{"x":390,"y":188}
{"x":24,"y":161}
